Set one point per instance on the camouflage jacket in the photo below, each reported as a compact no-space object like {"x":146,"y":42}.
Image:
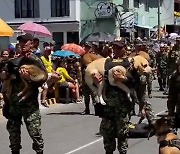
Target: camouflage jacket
{"x":161,"y":60}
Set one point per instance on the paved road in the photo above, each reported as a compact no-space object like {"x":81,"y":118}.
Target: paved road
{"x":65,"y":131}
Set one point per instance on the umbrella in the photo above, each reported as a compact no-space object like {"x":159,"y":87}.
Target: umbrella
{"x":74,"y":48}
{"x":33,"y":28}
{"x":5,"y":29}
{"x":173,"y":35}
{"x":64,"y":53}
{"x":99,"y":37}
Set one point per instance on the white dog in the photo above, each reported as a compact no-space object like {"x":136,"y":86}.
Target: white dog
{"x":139,"y":63}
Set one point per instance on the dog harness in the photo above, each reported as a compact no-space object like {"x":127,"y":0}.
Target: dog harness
{"x":170,"y":143}
{"x":110,"y":63}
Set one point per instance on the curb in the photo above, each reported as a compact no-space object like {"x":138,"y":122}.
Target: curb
{"x":51,"y":101}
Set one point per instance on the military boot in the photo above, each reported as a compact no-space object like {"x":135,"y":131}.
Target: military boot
{"x":16,"y":152}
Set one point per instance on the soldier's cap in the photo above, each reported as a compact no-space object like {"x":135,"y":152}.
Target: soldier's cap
{"x":120,"y":44}
{"x":24,"y":38}
{"x":178,"y":38}
{"x":95,"y":43}
{"x":138,"y":42}
{"x":87,"y":44}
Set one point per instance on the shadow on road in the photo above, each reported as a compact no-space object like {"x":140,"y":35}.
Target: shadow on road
{"x":67,"y":113}
{"x":162,"y":97}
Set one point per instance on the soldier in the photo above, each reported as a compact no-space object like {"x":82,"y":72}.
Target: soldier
{"x":28,"y":109}
{"x":115,"y":119}
{"x":174,"y":92}
{"x":173,"y":58}
{"x":161,"y":60}
{"x":88,"y":57}
{"x":145,"y":80}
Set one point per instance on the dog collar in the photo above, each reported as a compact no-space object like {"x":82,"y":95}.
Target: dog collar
{"x":171,"y":143}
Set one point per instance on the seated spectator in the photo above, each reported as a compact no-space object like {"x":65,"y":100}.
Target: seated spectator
{"x":68,"y":80}
{"x":5,"y":55}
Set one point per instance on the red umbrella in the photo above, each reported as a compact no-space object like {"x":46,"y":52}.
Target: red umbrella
{"x":77,"y":49}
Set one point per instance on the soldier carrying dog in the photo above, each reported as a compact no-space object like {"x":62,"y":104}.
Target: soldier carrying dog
{"x":29,"y":108}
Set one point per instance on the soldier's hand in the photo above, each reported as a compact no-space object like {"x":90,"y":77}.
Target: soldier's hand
{"x":24,"y":73}
{"x":97,"y":78}
{"x":117,"y":75}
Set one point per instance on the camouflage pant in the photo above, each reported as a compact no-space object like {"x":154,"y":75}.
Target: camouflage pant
{"x":32,"y":119}
{"x":173,"y":103}
{"x":149,"y":82}
{"x":115,"y":126}
{"x":141,"y":92}
{"x":162,"y":77}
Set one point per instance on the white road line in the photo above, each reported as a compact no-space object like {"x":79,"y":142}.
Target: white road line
{"x":91,"y":143}
{"x":84,"y":146}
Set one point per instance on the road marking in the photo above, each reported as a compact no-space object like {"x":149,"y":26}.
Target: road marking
{"x":84,"y":146}
{"x":91,"y":143}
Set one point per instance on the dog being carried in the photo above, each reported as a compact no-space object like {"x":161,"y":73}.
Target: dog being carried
{"x":139,"y":65}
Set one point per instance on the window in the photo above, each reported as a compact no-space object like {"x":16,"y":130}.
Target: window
{"x":146,"y":6}
{"x":26,"y":8}
{"x":136,"y":3}
{"x":58,"y":38}
{"x":73,"y":37}
{"x":60,"y":8}
{"x":126,"y":3}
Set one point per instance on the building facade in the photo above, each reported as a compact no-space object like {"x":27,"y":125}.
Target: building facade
{"x":61,"y":17}
{"x":125,"y":17}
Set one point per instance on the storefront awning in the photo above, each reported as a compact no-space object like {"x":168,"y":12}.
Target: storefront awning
{"x":141,"y":26}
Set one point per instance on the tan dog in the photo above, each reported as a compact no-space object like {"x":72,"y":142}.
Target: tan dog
{"x":36,"y":75}
{"x":7,"y":75}
{"x":139,"y":63}
{"x":165,"y":137}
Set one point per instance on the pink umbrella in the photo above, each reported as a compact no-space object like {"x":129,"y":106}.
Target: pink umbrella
{"x":74,"y":48}
{"x":35,"y":29}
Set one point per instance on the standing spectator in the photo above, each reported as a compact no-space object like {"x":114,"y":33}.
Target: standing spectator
{"x":30,"y":110}
{"x":35,"y":47}
{"x":53,"y":46}
{"x":52,"y":75}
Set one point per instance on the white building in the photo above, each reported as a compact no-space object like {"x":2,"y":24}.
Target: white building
{"x":61,"y":17}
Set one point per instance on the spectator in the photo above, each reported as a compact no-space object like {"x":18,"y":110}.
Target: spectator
{"x":52,"y":75}
{"x":52,"y":45}
{"x":35,"y":47}
{"x":66,"y":79}
{"x":5,"y":55}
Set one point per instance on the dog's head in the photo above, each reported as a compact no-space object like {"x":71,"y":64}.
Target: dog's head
{"x":141,"y":65}
{"x":161,"y":125}
{"x":6,"y":69}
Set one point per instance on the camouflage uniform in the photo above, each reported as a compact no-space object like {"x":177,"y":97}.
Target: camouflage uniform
{"x":174,"y":94}
{"x":173,"y":58}
{"x":161,"y":59}
{"x":115,"y":120}
{"x":29,"y":110}
{"x":141,"y":92}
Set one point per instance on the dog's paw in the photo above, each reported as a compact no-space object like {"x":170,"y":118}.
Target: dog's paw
{"x":20,"y":94}
{"x":22,"y":99}
{"x":101,"y":100}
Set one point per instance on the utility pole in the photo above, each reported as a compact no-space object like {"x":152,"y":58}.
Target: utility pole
{"x":159,"y":23}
